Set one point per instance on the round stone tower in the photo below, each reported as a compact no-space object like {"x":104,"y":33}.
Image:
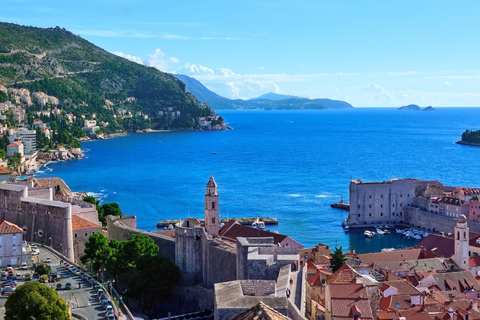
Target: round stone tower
{"x":461,"y":243}
{"x":211,"y":208}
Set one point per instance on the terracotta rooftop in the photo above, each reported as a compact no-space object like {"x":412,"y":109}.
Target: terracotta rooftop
{"x":440,"y":245}
{"x":344,"y":274}
{"x":8,"y":227}
{"x":82,"y":224}
{"x":233,"y":230}
{"x":3,"y":170}
{"x":390,"y":256}
{"x":167,"y":233}
{"x":413,"y":265}
{"x":402,"y":286}
{"x":261,"y":311}
{"x":15,"y":144}
{"x":396,"y":301}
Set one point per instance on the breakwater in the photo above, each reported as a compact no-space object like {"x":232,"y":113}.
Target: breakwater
{"x":244,"y":221}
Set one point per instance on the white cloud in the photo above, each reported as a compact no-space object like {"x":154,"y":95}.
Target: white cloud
{"x":129,"y":57}
{"x":159,"y":60}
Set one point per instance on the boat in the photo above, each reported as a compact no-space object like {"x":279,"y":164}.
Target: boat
{"x":386,"y":231}
{"x":254,"y":224}
{"x":347,"y":229}
{"x":344,"y":223}
{"x":170,"y":227}
{"x":368,"y":234}
{"x":399,"y":230}
{"x":261,"y":225}
{"x":380,"y":232}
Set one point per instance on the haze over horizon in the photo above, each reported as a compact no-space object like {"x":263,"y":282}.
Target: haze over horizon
{"x":370,"y":53}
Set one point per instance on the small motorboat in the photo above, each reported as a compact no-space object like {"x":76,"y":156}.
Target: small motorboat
{"x":380,"y":232}
{"x":368,"y":234}
{"x":347,"y":229}
{"x":261,"y":225}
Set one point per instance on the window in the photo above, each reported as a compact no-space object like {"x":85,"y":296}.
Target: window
{"x":464,"y":235}
{"x":381,"y":214}
{"x":400,"y":213}
{"x":75,"y":235}
{"x":393,"y":213}
{"x":381,"y":206}
{"x":401,"y":195}
{"x":370,"y":196}
{"x":393,"y":205}
{"x":458,"y":235}
{"x":369,"y":214}
{"x":401,"y":204}
{"x":381,"y":196}
{"x":213,"y":205}
{"x":358,"y":206}
{"x":213,"y":220}
{"x":370,"y":206}
{"x":359,"y":215}
{"x":86,"y":234}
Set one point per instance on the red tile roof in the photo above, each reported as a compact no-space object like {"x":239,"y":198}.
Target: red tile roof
{"x":234,"y":230}
{"x":390,"y":256}
{"x":82,"y":224}
{"x":440,"y":245}
{"x":344,"y":274}
{"x":474,"y":261}
{"x":15,"y":144}
{"x":402,"y":286}
{"x":3,"y":170}
{"x":8,"y":228}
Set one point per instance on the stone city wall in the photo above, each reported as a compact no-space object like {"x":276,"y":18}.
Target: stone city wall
{"x":119,"y":231}
{"x":220,"y":263}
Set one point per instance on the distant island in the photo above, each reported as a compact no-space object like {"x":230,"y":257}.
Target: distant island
{"x":414,"y":107}
{"x":268,"y":101}
{"x":470,"y":138}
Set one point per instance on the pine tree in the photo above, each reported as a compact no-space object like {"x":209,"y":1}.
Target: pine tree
{"x":337,"y":260}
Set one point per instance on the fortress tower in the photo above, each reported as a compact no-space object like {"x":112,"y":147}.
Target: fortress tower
{"x":461,"y":243}
{"x":211,"y":208}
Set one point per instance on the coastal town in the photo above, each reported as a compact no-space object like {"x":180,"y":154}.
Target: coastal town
{"x":235,"y":270}
{"x":35,"y":130}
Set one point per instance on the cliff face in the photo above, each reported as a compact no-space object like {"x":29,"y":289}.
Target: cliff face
{"x":44,"y":157}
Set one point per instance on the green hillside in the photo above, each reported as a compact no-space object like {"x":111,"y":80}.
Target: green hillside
{"x":82,"y":76}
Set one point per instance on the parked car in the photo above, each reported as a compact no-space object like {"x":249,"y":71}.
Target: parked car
{"x":35,"y":252}
{"x":68,"y":286}
{"x":48,"y":260}
{"x":59,"y":286}
{"x":24,"y":266}
{"x":105,"y":303}
{"x":109,"y":313}
{"x":28,"y":278}
{"x":19,"y":277}
{"x":102,"y":296}
{"x":8,"y":288}
{"x":4,"y":277}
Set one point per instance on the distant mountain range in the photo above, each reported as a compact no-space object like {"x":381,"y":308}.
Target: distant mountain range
{"x":267,"y":101}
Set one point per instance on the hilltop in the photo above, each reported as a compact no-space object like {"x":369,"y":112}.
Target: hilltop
{"x":87,"y":80}
{"x":267,"y":101}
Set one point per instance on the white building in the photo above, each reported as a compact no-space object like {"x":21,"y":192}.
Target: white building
{"x":11,"y":245}
{"x":27,"y":137}
{"x":15,"y":147}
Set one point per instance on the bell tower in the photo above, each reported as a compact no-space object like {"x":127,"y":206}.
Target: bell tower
{"x":460,"y":257}
{"x":211,"y":208}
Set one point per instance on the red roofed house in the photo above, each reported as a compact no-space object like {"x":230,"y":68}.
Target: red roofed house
{"x":82,"y":229}
{"x":13,"y":148}
{"x":347,"y":301}
{"x":11,"y":245}
{"x":4,"y":174}
{"x":232,"y":230}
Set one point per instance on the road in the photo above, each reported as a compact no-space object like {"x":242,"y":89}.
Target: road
{"x":84,"y":300}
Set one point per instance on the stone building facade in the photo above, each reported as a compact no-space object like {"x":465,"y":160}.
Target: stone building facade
{"x":374,"y":203}
{"x":42,"y":219}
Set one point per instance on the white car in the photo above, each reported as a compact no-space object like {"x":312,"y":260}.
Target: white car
{"x":35,"y":252}
{"x":24,"y":266}
{"x":48,"y":260}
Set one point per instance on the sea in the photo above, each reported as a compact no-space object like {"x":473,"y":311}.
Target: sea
{"x":289,"y":165}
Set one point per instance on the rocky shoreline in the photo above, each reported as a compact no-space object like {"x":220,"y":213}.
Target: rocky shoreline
{"x":464,"y":143}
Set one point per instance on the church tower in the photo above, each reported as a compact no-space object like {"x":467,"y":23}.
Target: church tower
{"x":461,"y":243}
{"x":211,"y":208}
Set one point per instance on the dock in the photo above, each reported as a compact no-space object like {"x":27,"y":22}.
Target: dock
{"x":341,"y":205}
{"x":244,"y":221}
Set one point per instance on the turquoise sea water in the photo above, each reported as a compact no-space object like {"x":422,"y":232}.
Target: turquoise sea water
{"x":286,"y":164}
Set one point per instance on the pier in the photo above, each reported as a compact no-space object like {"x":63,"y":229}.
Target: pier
{"x":244,"y":221}
{"x":341,"y":205}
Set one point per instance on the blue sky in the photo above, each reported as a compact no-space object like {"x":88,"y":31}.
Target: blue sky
{"x":369,"y":53}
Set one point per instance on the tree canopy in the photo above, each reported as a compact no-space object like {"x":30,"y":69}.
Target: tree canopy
{"x":43,"y":268}
{"x":34,"y":299}
{"x":337,"y":260}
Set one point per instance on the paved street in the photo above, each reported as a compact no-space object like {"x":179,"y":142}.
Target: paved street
{"x":84,"y":299}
